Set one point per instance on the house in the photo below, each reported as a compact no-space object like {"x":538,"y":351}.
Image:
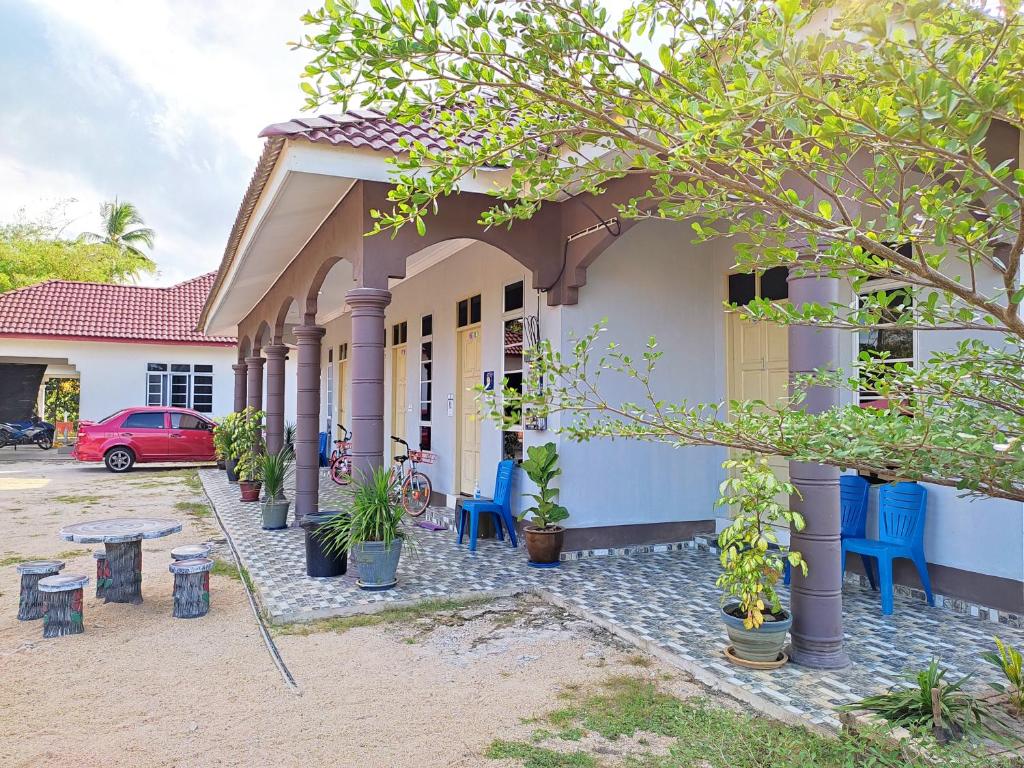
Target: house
{"x":393,"y":333}
{"x":126,"y":345}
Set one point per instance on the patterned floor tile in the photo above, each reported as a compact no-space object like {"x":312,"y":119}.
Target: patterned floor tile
{"x":667,"y":598}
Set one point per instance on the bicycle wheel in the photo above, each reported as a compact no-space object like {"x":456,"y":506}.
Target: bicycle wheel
{"x":340,"y":471}
{"x":416,"y":492}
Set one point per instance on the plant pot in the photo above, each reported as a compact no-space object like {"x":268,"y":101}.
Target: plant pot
{"x":229,"y":467}
{"x":544,"y":545}
{"x":378,"y":564}
{"x":221,"y":464}
{"x":275,"y":514}
{"x":250,"y":490}
{"x":761,"y":645}
{"x":319,"y":563}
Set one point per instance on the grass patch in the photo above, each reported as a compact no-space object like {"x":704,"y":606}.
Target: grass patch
{"x":73,"y":499}
{"x":12,"y":558}
{"x":195,"y":508}
{"x":68,"y":554}
{"x":397,"y":615}
{"x":538,"y":757}
{"x":703,"y":734}
{"x":225,"y":568}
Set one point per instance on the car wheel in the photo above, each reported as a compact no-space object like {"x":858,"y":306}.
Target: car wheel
{"x":44,"y":442}
{"x":119,"y":459}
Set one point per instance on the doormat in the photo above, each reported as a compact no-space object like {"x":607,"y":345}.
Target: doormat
{"x":429,"y":525}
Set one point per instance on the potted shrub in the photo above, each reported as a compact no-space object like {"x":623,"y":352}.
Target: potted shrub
{"x":753,"y":562}
{"x":248,"y":448}
{"x":544,"y":537}
{"x":223,"y":444}
{"x":273,"y":469}
{"x":372,"y":532}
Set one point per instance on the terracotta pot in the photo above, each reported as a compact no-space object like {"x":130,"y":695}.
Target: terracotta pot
{"x":544,"y":544}
{"x":250,"y":490}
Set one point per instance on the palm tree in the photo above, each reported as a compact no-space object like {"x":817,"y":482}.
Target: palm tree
{"x":122,"y":229}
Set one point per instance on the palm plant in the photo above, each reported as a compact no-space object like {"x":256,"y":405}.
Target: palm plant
{"x":273,"y":469}
{"x":375,"y":515}
{"x":123,"y":227}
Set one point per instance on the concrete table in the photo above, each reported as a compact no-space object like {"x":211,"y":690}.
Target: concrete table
{"x":122,"y":537}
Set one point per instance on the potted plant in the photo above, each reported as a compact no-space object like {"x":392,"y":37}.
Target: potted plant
{"x":372,"y":532}
{"x":273,"y":469}
{"x":223,"y":444}
{"x":753,"y":561}
{"x":544,"y":537}
{"x":248,"y":448}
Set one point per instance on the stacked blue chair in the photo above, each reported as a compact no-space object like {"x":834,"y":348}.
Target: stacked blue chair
{"x":500,"y":507}
{"x":853,"y":511}
{"x":901,"y":517}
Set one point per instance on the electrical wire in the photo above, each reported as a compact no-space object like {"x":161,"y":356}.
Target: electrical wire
{"x":565,"y":247}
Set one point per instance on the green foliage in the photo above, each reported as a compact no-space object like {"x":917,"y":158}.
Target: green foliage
{"x":273,"y":469}
{"x":123,"y":229}
{"x":247,"y":445}
{"x":224,"y":436}
{"x":750,"y":569}
{"x":375,"y":515}
{"x":911,"y":706}
{"x":61,"y":399}
{"x":541,"y":466}
{"x":890,"y":158}
{"x":1010,"y":662}
{"x":33,"y":251}
{"x":538,"y":757}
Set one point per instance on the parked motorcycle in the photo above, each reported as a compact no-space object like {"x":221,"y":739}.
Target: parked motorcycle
{"x":33,"y":431}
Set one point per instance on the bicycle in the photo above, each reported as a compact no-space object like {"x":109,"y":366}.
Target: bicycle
{"x":410,"y":487}
{"x":339,"y":466}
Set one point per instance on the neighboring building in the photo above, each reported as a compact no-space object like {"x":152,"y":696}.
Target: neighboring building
{"x":128,"y":346}
{"x":395,"y":331}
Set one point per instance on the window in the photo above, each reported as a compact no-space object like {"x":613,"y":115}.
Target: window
{"x":772,"y":284}
{"x":399,"y":334}
{"x":188,"y":421}
{"x":426,"y":378}
{"x":343,"y":351}
{"x":468,"y":311}
{"x":512,"y":365}
{"x":898,"y":344}
{"x":144,"y":420}
{"x":181,"y":385}
{"x":330,"y":387}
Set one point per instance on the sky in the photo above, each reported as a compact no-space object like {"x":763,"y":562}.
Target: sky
{"x":154,"y":101}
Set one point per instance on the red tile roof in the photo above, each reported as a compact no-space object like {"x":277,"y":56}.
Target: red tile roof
{"x":365,"y":128}
{"x":103,"y":312}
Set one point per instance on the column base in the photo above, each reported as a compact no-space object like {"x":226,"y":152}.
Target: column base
{"x":818,"y":658}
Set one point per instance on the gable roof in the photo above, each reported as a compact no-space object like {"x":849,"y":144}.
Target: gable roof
{"x":104,"y":312}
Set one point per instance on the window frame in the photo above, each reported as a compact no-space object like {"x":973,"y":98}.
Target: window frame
{"x":162,"y":375}
{"x":877,"y":286}
{"x":507,"y":316}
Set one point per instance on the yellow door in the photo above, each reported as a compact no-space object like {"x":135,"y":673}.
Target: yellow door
{"x":399,"y":389}
{"x":342,"y":391}
{"x":469,"y":410}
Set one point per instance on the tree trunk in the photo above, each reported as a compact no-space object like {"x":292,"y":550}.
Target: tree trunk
{"x":124,"y":561}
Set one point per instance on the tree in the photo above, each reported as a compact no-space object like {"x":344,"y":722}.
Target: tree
{"x":118,"y":220}
{"x":874,"y":148}
{"x":32,"y":251}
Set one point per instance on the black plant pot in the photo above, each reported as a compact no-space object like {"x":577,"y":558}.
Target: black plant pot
{"x":318,"y":562}
{"x":229,"y":467}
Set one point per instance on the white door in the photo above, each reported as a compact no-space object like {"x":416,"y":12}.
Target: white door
{"x":469,"y":409}
{"x":399,"y":400}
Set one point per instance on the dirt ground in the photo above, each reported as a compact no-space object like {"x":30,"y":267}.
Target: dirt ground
{"x":139,"y":688}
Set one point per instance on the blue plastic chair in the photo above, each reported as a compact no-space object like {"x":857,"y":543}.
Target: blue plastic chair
{"x":853,"y":511}
{"x":324,"y":437}
{"x":500,"y":507}
{"x":901,"y":516}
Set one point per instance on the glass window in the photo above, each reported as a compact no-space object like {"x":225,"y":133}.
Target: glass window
{"x":185,"y":386}
{"x":463,"y":313}
{"x":187,"y":421}
{"x":775,"y":284}
{"x":424,"y":438}
{"x":144,"y":420}
{"x":180,"y":368}
{"x":156,"y":367}
{"x":896,"y":344}
{"x":427,"y":325}
{"x":512,"y":369}
{"x":474,"y":309}
{"x":742,"y":288}
{"x":514,"y":296}
{"x":426,"y":379}
{"x":202,"y":368}
{"x":399,"y":333}
{"x":343,"y":351}
{"x":468,"y":311}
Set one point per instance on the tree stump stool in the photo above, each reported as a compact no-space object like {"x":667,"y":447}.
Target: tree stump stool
{"x":191,"y":587}
{"x":190,"y":552}
{"x":30,"y":604}
{"x":124,"y":558}
{"x":62,"y":604}
{"x":103,"y":578}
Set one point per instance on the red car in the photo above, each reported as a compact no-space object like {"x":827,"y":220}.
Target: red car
{"x":145,"y":435}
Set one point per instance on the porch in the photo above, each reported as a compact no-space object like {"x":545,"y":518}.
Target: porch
{"x":665,"y":602}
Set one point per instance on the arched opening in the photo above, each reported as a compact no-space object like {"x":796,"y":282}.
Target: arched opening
{"x":287,"y":318}
{"x":261,"y":339}
{"x":244,"y":349}
{"x":325,"y":298}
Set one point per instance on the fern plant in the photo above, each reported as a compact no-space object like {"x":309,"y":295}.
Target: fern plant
{"x":1010,"y":661}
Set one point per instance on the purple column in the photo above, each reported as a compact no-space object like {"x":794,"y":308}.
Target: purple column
{"x":307,"y":421}
{"x":276,"y":354}
{"x":254,"y":385}
{"x":240,"y":373}
{"x":367,"y":356}
{"x":817,"y":600}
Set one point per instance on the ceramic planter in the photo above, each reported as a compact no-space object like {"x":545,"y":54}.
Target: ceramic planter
{"x":275,"y":514}
{"x":377,"y":564}
{"x":544,"y":545}
{"x":250,"y":490}
{"x":757,"y":646}
{"x":229,"y":467}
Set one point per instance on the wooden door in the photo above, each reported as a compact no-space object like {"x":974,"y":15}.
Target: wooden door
{"x":468,"y":409}
{"x":342,"y":391}
{"x":399,"y":399}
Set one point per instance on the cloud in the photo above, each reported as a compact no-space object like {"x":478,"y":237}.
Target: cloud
{"x":156,"y":102}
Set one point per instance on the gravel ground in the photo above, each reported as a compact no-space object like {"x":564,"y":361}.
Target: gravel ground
{"x":142,"y":689}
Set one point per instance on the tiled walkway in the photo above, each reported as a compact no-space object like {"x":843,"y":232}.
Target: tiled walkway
{"x":666,"y":602}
